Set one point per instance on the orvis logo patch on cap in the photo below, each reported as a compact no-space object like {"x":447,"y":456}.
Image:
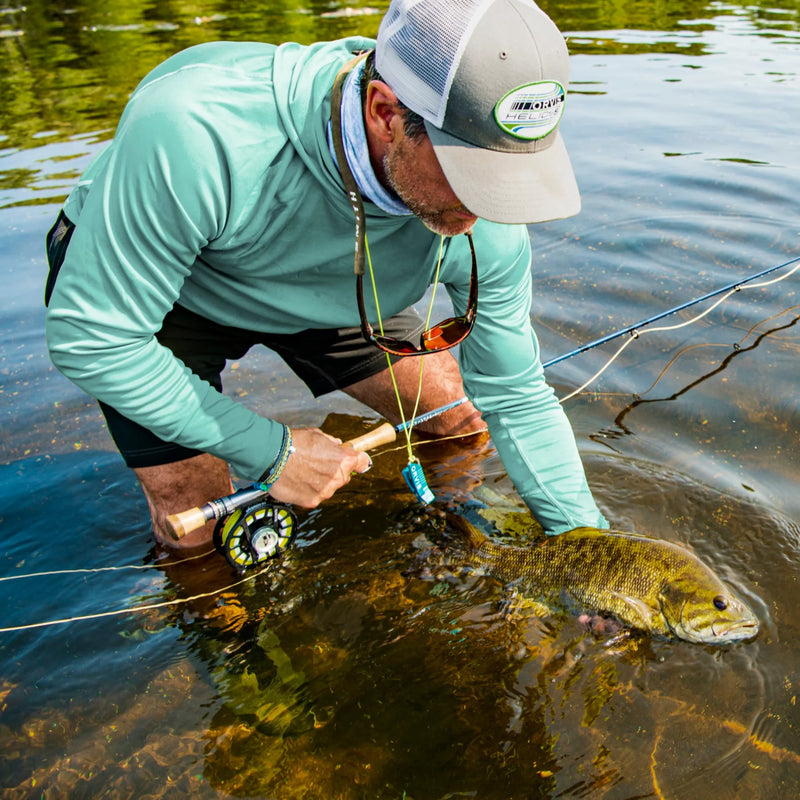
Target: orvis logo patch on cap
{"x":531,"y":111}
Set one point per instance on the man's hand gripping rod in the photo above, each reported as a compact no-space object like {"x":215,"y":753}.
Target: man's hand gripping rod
{"x":184,"y":522}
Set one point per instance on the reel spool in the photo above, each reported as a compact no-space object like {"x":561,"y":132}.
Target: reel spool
{"x":250,"y":536}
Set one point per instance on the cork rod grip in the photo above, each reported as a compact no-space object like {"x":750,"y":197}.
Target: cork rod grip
{"x":383,"y":434}
{"x":178,"y":525}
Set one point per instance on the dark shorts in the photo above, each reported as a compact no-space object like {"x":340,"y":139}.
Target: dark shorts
{"x":325,"y":360}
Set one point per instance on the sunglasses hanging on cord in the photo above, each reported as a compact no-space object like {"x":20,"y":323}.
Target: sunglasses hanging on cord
{"x":433,"y":339}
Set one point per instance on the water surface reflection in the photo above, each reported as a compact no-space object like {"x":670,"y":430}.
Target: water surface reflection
{"x":336,"y":673}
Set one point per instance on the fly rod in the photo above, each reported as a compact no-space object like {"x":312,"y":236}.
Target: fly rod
{"x":184,"y":522}
{"x":635,"y":327}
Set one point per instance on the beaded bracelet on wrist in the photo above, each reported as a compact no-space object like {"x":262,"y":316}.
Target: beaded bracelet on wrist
{"x":274,"y":472}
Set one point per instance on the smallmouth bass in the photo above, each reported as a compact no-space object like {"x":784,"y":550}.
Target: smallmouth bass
{"x":649,"y":584}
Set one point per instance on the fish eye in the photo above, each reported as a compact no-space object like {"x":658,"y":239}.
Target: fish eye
{"x":720,"y":603}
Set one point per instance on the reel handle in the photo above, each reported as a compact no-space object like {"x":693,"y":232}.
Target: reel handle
{"x":178,"y":525}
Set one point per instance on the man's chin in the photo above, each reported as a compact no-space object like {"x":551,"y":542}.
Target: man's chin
{"x":452,"y":227}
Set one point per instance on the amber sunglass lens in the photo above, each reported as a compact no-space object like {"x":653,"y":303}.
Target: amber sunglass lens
{"x":397,"y":347}
{"x":446,"y":334}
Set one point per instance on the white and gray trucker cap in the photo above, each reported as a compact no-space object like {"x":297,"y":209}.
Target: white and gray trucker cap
{"x":489,"y":77}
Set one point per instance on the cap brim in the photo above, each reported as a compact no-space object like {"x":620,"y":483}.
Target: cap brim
{"x":509,"y":187}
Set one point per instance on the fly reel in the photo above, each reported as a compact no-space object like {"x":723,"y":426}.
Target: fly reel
{"x":250,"y":536}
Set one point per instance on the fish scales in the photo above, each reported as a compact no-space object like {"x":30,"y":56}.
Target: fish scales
{"x":647,"y":583}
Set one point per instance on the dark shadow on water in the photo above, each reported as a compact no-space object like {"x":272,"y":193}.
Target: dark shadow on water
{"x":620,"y":429}
{"x":723,"y":365}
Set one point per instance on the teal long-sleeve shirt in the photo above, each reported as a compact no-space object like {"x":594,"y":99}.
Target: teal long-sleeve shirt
{"x":218,"y":192}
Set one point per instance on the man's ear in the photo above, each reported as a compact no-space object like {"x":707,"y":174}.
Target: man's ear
{"x":382,"y":113}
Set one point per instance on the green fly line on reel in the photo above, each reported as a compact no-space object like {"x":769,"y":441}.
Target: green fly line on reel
{"x":252,"y":535}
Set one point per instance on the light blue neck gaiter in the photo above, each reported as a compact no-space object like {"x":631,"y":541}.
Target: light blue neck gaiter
{"x":355,"y":147}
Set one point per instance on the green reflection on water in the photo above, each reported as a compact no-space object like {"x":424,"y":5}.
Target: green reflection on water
{"x":69,"y":68}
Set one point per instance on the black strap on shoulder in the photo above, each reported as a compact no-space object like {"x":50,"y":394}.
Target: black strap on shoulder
{"x":349,"y":181}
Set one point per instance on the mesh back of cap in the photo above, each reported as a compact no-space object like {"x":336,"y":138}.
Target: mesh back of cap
{"x":420,"y":44}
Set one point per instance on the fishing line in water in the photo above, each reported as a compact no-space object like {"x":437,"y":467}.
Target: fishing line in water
{"x":632,"y":328}
{"x":737,"y":346}
{"x":635,"y":333}
{"x":737,"y":350}
{"x":104,"y":569}
{"x":132,"y":609}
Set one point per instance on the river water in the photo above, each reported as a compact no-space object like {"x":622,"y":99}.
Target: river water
{"x":335,"y":673}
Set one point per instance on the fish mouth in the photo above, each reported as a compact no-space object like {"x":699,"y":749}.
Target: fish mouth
{"x":735,"y":632}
